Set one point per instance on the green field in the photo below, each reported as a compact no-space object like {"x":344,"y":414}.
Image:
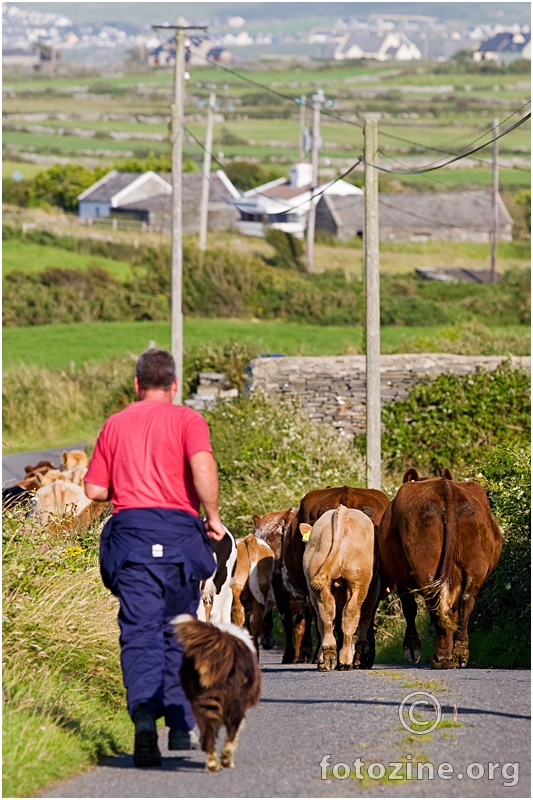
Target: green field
{"x":454,"y":108}
{"x":29,"y":257}
{"x":56,"y":346}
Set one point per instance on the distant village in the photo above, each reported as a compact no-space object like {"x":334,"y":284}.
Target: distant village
{"x":33,"y":37}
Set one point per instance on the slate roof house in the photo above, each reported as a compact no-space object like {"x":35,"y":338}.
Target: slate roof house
{"x":148,"y":197}
{"x":284,"y":204}
{"x":421,"y":216}
{"x":504,"y":47}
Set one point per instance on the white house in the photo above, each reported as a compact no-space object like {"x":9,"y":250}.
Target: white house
{"x":284,"y":204}
{"x":389,"y":46}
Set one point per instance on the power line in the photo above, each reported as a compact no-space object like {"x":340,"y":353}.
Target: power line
{"x":430,"y":168}
{"x":339,"y":118}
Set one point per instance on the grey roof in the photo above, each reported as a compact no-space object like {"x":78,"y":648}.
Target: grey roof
{"x":191,"y":193}
{"x":423,"y":209}
{"x":192,"y":187}
{"x":503,"y":42}
{"x":112,"y":183}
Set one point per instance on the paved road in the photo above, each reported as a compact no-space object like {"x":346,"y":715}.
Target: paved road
{"x":305,"y":715}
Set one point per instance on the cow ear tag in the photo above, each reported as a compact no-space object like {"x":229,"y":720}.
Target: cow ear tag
{"x":305,"y":530}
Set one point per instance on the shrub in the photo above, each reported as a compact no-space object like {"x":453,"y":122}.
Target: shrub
{"x":456,"y":420}
{"x":504,"y":602}
{"x":289,"y":250}
{"x":269,"y":455}
{"x":469,"y":339}
{"x":60,"y":185}
{"x":17,"y":193}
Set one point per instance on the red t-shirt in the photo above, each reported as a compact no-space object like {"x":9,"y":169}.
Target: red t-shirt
{"x":142,"y":454}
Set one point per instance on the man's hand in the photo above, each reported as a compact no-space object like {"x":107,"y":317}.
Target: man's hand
{"x":214,"y":529}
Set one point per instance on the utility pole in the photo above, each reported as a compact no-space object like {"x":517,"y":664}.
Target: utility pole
{"x":303,"y":103}
{"x":318,"y":99}
{"x":177,"y":116}
{"x":494,"y":216}
{"x":206,"y":172}
{"x":372,"y":331}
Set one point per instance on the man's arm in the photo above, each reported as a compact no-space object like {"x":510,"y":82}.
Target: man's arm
{"x":205,"y":479}
{"x":94,"y":492}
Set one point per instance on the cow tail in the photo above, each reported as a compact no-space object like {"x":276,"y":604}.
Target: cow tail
{"x":445,"y":598}
{"x":323,"y":576}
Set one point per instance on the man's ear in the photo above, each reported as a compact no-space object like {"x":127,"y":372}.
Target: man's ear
{"x":136,"y":384}
{"x":174,"y":387}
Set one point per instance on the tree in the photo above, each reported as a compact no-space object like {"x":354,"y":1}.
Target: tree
{"x":61,"y":184}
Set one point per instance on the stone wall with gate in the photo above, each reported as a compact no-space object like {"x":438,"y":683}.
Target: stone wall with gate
{"x":332,"y":389}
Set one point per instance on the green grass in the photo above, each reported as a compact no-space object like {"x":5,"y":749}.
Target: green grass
{"x":29,"y":257}
{"x":59,"y":345}
{"x":26,"y":169}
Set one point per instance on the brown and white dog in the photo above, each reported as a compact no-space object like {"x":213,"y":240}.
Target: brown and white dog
{"x":221,"y":678}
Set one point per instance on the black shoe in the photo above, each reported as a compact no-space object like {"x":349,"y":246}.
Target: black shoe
{"x":146,"y":752}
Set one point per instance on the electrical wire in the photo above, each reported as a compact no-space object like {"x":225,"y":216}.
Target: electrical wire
{"x":430,"y":168}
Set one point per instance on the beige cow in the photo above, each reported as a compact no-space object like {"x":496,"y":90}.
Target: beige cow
{"x":74,"y":458}
{"x":60,"y":497}
{"x":252,"y":584}
{"x":338,"y":564}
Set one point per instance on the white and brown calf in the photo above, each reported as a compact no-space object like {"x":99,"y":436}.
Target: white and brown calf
{"x":252,"y":585}
{"x":216,"y":596}
{"x":338,"y":563}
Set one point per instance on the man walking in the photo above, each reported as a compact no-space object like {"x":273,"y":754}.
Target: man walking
{"x":154,"y":462}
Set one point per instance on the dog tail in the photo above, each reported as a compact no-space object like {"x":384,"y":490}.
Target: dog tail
{"x":211,"y":647}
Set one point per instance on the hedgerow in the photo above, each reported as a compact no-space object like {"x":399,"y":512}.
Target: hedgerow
{"x":456,"y":420}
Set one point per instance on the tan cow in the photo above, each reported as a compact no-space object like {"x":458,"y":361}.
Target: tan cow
{"x":338,"y":563}
{"x":74,"y":458}
{"x":252,"y":584}
{"x":60,"y":497}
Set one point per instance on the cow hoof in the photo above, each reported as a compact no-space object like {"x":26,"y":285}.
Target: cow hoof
{"x":288,"y":659}
{"x":268,"y":642}
{"x":412,"y":650}
{"x":364,"y":656}
{"x":306,"y":655}
{"x":329,"y":660}
{"x":446,"y":663}
{"x":345,"y":667}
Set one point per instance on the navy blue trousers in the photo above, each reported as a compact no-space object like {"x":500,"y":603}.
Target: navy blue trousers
{"x":150,"y":597}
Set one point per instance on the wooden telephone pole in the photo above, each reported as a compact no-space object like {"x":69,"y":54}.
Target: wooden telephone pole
{"x":177,"y":110}
{"x":206,"y":172}
{"x":303,"y":103}
{"x":372,"y":330}
{"x":494,"y":215}
{"x":318,"y":99}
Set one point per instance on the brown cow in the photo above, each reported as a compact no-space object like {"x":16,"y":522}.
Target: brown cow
{"x":252,"y":584}
{"x":271,"y":528}
{"x":371,"y":502}
{"x":439,"y":538}
{"x":339,"y":565}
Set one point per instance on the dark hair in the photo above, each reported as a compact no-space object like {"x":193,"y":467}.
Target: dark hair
{"x":155,"y":369}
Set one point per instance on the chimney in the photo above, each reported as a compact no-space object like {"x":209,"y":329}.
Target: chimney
{"x":301,"y":175}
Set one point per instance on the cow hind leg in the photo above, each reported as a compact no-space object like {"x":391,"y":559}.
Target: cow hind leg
{"x":350,"y":620}
{"x":325,"y":605}
{"x":443,"y":658}
{"x":267,"y":640}
{"x":412,"y":648}
{"x":306,"y":650}
{"x":460,"y":646}
{"x":365,"y":649}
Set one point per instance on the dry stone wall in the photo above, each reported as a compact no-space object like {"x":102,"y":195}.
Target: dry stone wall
{"x":332,"y":389}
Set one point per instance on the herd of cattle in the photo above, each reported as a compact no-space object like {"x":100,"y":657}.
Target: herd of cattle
{"x":332,"y":560}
